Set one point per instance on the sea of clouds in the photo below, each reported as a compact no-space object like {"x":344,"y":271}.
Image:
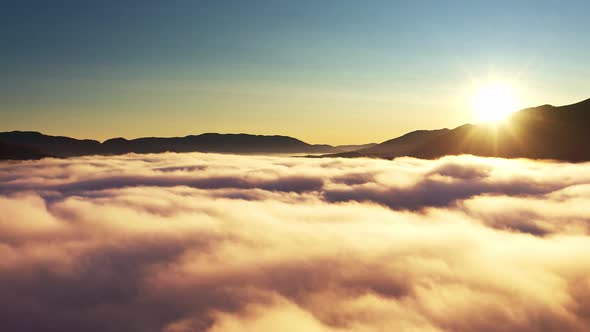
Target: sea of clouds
{"x":218,"y":243}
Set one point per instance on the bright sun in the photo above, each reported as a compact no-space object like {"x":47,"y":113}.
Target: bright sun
{"x":494,"y":102}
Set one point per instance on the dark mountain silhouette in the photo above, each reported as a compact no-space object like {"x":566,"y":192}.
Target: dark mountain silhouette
{"x":16,"y":152}
{"x":226,"y":143}
{"x":544,"y":132}
{"x":58,"y":146}
{"x":211,"y":142}
{"x":349,"y":148}
{"x":399,"y":146}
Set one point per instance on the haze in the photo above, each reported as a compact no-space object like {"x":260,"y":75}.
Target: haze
{"x":294,"y":166}
{"x":336,"y":72}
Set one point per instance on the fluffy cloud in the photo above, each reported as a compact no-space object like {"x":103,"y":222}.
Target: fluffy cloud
{"x":217,"y":243}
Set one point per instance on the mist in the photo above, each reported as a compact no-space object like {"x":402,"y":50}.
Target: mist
{"x":210,"y":242}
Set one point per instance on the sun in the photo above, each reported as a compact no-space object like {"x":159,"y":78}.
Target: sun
{"x":494,"y":102}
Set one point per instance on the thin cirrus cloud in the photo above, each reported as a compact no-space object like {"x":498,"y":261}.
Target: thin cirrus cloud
{"x":207,"y":242}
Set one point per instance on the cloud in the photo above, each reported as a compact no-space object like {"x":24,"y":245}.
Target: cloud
{"x":207,"y":242}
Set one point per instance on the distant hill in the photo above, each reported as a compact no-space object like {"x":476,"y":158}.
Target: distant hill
{"x":399,"y":146}
{"x":348,"y":148}
{"x":544,"y":132}
{"x":212,"y":142}
{"x":60,"y":146}
{"x":403,"y":144}
{"x":16,"y":152}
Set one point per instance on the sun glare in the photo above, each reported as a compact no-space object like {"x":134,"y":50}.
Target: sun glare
{"x":494,"y":102}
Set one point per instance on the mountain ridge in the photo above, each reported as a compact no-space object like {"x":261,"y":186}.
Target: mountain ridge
{"x":62,"y":146}
{"x":541,"y":132}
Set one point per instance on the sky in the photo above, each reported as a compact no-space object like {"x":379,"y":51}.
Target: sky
{"x":337,"y":72}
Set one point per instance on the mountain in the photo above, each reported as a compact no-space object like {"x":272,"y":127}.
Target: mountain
{"x":543,"y":132}
{"x":212,"y":142}
{"x":404,"y":144}
{"x":16,"y":152}
{"x":348,"y":148}
{"x":399,"y":146}
{"x":60,"y":146}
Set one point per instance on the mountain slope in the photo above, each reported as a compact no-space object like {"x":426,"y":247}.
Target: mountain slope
{"x":349,"y":148}
{"x":399,"y":146}
{"x":58,"y":146}
{"x":16,"y":152}
{"x":544,"y":132}
{"x":230,"y":143}
{"x":403,"y":144}
{"x":212,"y":142}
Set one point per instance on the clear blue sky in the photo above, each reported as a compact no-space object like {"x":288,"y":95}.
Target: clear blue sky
{"x":323,"y":71}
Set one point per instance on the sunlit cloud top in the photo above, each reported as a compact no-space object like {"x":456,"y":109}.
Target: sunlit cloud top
{"x":220,"y":243}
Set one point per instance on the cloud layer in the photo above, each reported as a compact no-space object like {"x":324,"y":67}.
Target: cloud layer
{"x":206,"y":242}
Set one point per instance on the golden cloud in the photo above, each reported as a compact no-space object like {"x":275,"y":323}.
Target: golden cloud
{"x":207,"y":242}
